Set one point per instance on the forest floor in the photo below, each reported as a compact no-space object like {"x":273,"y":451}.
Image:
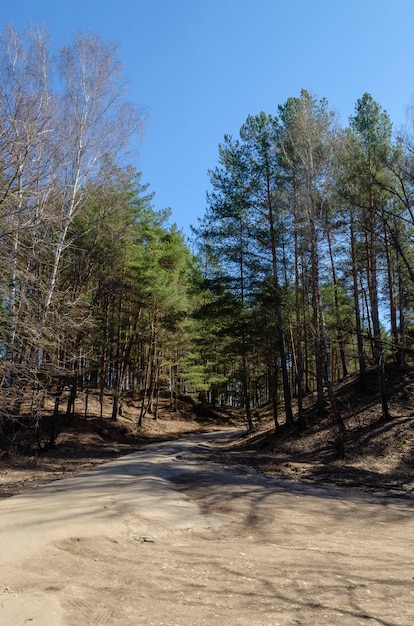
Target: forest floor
{"x":379,"y":456}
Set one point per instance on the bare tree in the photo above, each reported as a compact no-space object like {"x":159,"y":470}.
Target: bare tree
{"x":65,"y":122}
{"x":94,"y":125}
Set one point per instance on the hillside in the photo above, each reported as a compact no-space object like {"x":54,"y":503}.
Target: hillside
{"x":379,"y":456}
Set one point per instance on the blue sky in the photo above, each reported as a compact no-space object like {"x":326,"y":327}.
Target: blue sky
{"x":200,"y":67}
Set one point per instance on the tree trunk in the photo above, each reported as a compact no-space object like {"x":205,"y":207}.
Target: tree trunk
{"x":358,"y":325}
{"x":299,"y":330}
{"x":391,"y":296}
{"x":316,"y":322}
{"x":245,"y":393}
{"x":373,"y":296}
{"x":337,"y":312}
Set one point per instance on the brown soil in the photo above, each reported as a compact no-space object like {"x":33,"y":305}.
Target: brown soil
{"x":379,"y":456}
{"x":92,"y":441}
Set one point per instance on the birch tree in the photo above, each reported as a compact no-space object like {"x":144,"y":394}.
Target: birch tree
{"x":93,"y":126}
{"x":65,"y":123}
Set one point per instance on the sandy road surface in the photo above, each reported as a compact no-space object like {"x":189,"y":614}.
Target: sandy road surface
{"x":163,"y":537}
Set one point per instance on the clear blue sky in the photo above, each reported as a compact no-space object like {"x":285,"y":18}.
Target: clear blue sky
{"x":199,"y":67}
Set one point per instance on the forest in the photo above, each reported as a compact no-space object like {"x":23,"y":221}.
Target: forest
{"x":300,"y":273}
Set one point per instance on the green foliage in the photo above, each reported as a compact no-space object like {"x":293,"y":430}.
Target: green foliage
{"x":308,"y":234}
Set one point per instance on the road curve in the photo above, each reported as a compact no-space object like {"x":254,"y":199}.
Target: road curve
{"x":164,"y":536}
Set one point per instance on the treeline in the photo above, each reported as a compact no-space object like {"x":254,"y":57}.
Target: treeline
{"x":308,"y":255}
{"x":304,"y":269}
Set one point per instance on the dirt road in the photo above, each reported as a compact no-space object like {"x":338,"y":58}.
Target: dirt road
{"x":163,"y":537}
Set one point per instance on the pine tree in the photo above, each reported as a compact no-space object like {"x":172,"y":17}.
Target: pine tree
{"x":371,"y":130}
